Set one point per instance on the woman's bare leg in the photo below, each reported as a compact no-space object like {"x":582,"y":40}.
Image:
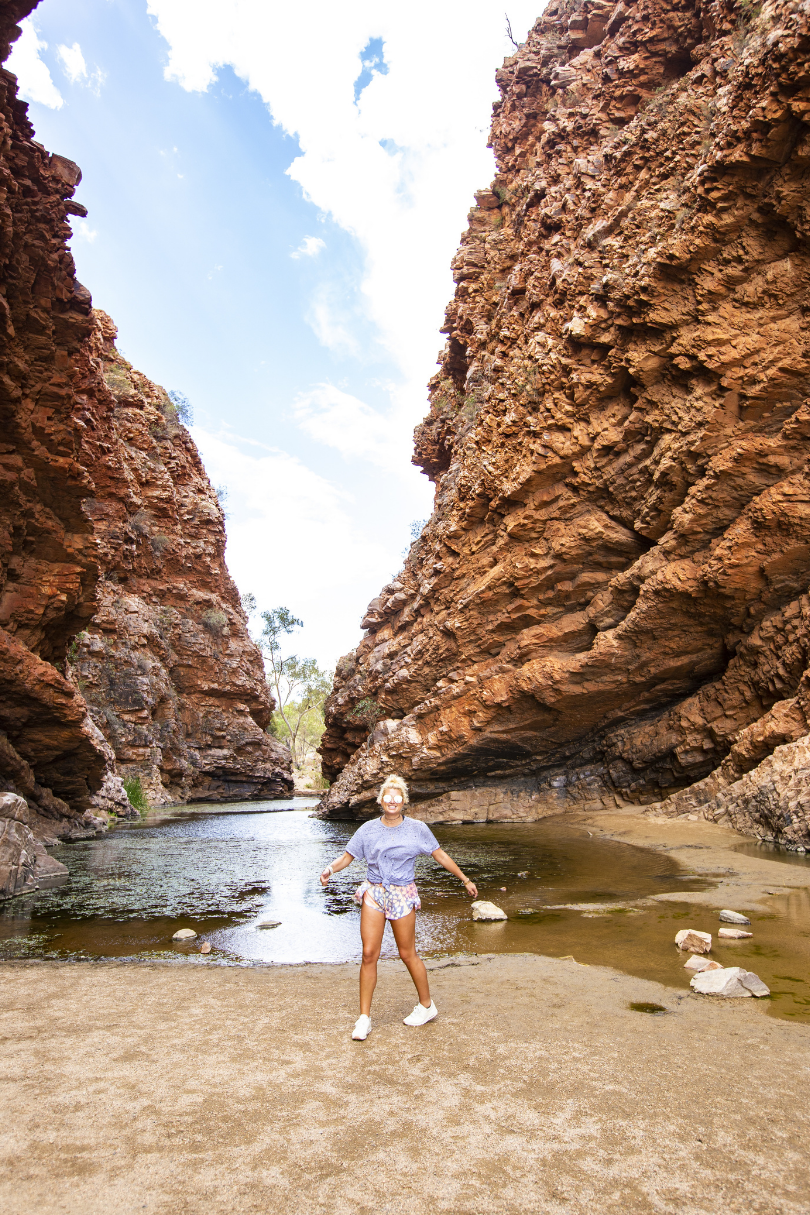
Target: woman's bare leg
{"x":405,"y":937}
{"x":372,"y":927}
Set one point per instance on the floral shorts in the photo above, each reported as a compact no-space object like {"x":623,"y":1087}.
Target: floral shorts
{"x":395,"y":902}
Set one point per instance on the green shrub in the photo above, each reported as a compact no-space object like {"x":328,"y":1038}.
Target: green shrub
{"x":215,"y":622}
{"x":366,"y":711}
{"x":135,"y":793}
{"x":73,"y":648}
{"x":140,"y":523}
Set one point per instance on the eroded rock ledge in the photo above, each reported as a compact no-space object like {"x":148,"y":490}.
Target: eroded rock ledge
{"x":113,"y":588}
{"x":609,"y":603}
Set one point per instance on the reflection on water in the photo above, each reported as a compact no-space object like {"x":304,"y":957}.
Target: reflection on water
{"x":223,"y":871}
{"x":773,"y":852}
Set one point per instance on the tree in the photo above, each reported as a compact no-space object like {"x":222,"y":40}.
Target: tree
{"x":299,"y":722}
{"x":182,"y":407}
{"x":298,"y":684}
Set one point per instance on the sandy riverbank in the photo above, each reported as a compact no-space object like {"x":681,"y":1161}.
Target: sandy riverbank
{"x":191,"y":1088}
{"x":739,"y":878}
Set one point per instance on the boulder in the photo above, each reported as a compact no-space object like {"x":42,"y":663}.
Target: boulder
{"x":729,"y":981}
{"x":482,"y":910}
{"x":733,"y":934}
{"x":184,"y":934}
{"x":700,"y":964}
{"x":733,"y":917}
{"x":17,"y":858}
{"x":47,"y":870}
{"x":14,"y":807}
{"x":694,"y":941}
{"x":755,"y":984}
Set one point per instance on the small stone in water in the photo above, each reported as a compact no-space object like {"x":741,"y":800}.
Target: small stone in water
{"x":269,"y":924}
{"x":482,"y":910}
{"x":733,"y":934}
{"x":697,"y":963}
{"x":503,"y":888}
{"x":734,"y":917}
{"x":205,"y":947}
{"x":694,"y":941}
{"x":523,"y":873}
{"x":184,"y":934}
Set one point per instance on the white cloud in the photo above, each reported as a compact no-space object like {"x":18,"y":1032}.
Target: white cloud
{"x":76,"y":71}
{"x":310,"y":246}
{"x":405,"y":202}
{"x":395,"y":169}
{"x":352,"y":427}
{"x":73,"y":62}
{"x":83,"y":231}
{"x":327,"y":316}
{"x":292,"y":540}
{"x":32,"y":73}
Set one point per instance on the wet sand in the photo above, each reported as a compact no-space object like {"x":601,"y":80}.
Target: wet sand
{"x":743,"y":875}
{"x":194,"y":1088}
{"x":190,"y":1088}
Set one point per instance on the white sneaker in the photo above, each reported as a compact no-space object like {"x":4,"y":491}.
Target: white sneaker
{"x":362,"y":1028}
{"x":421,"y":1015}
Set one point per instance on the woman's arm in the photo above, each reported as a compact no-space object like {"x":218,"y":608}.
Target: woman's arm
{"x":450,"y":865}
{"x":336,"y":867}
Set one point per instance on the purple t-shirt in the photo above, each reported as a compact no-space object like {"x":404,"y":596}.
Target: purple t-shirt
{"x":391,"y":851}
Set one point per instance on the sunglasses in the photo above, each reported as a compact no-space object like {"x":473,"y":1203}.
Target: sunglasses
{"x":392,"y":797}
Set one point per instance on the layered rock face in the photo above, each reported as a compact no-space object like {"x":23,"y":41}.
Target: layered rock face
{"x":172,"y":678}
{"x":50,"y":751}
{"x":609,"y":604}
{"x":105,"y":513}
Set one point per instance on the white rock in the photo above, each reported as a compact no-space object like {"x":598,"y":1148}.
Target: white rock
{"x":755,"y":984}
{"x":734,"y":917}
{"x":184,"y":934}
{"x":729,"y":981}
{"x":269,"y":924}
{"x":482,"y":910}
{"x":691,"y":939}
{"x":733,"y":934}
{"x":698,"y":964}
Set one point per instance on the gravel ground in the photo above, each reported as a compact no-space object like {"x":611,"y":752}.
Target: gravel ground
{"x":197,"y":1088}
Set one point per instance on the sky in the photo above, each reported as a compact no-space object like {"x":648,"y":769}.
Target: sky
{"x":274,"y":195}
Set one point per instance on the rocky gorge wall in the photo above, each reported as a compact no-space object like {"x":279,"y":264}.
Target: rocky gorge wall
{"x":170,"y":675}
{"x":610,"y":604}
{"x":112,"y":575}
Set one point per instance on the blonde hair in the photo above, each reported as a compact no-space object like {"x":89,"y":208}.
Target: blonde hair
{"x":394,"y":782}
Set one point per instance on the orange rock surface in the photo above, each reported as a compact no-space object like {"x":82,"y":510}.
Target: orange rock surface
{"x":609,"y":603}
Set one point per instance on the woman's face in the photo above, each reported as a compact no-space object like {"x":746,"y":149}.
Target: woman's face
{"x":392,"y":801}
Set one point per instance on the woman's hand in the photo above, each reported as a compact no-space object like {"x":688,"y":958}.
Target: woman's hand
{"x":335,"y":867}
{"x":471,"y":888}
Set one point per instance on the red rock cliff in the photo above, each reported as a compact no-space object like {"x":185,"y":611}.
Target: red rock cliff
{"x":171,"y":676}
{"x":609,"y":603}
{"x":105,"y":514}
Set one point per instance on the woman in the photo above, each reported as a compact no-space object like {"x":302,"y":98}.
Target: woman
{"x":391,"y":844}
